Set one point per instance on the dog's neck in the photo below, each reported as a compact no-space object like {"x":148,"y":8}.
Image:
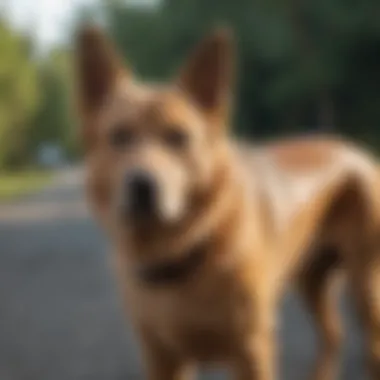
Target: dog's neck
{"x":174,"y":271}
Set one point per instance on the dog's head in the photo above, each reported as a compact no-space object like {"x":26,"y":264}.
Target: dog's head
{"x":150,"y":148}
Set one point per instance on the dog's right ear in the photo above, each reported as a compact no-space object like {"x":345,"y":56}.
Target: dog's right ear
{"x":208,"y":75}
{"x":97,"y":66}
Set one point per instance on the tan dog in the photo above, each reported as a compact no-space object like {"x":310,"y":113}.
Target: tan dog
{"x":206,"y":236}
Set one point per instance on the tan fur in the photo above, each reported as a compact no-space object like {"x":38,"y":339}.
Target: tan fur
{"x":267,"y":213}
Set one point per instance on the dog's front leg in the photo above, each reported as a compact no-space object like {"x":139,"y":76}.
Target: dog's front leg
{"x":257,"y":363}
{"x":163,"y":364}
{"x":157,"y":370}
{"x":258,"y":358}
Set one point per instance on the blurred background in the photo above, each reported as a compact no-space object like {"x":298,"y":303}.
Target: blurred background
{"x":304,"y":66}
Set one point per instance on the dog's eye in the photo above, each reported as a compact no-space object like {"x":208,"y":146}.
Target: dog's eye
{"x":176,"y":138}
{"x":121,"y":137}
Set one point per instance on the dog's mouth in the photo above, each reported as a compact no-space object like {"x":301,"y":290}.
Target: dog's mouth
{"x":145,"y":216}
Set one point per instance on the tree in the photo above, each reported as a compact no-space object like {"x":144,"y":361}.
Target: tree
{"x":19,"y":95}
{"x":54,"y":122}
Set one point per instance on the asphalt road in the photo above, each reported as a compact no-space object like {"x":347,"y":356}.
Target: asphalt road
{"x":60,"y":316}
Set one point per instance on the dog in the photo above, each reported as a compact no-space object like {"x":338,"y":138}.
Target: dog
{"x":207,"y":233}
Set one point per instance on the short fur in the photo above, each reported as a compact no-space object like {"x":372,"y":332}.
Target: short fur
{"x":292,"y":211}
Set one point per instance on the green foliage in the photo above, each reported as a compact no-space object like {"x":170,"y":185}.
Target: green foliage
{"x":54,"y":122}
{"x":15,"y":184}
{"x":19,"y":95}
{"x":34,"y":99}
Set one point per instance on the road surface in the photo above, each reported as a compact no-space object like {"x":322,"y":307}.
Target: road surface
{"x":60,"y":316}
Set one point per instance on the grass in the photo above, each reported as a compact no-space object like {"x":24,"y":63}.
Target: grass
{"x":16,"y":184}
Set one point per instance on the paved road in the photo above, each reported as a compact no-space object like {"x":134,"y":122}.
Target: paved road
{"x":60,"y":317}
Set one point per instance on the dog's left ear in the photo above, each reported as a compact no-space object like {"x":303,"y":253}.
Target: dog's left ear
{"x":207,"y":77}
{"x":97,"y":65}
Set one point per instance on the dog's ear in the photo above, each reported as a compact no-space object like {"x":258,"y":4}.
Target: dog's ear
{"x":97,"y":67}
{"x":208,"y":75}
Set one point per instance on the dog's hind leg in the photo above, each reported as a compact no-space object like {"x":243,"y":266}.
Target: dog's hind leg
{"x":317,"y":284}
{"x":356,"y":215}
{"x":364,"y":267}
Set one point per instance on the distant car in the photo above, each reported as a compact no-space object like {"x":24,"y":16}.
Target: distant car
{"x":50,"y":155}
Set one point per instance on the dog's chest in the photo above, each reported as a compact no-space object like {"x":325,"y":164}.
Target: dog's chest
{"x":205,"y":342}
{"x":206,"y":328}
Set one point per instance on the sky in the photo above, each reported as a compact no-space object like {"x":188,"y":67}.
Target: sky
{"x":47,"y":20}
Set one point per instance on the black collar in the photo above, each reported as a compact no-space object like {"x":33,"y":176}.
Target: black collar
{"x":174,"y":271}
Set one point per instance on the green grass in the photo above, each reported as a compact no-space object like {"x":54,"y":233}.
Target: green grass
{"x":16,"y":184}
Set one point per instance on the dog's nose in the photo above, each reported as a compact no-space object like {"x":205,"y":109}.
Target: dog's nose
{"x":142,"y":194}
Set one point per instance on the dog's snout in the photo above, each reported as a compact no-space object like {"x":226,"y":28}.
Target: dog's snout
{"x":141,"y":189}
